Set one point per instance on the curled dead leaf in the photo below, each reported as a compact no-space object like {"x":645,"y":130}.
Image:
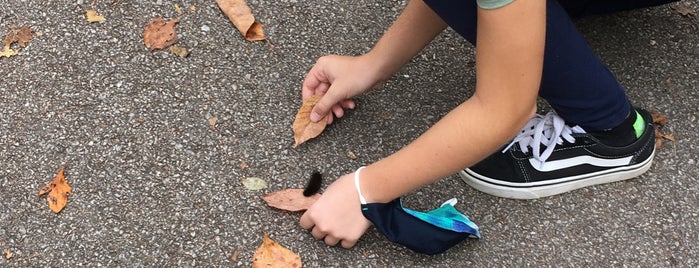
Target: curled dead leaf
{"x":160,"y":34}
{"x":92,"y":16}
{"x":272,"y":254}
{"x":290,"y":200}
{"x":659,"y":121}
{"x":57,"y":191}
{"x":305,"y":129}
{"x":240,"y":14}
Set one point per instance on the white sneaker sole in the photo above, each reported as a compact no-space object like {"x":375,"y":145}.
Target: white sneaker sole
{"x":552,"y":187}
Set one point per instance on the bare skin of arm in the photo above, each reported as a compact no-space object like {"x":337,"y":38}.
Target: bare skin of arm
{"x":509,"y":62}
{"x":339,"y":78}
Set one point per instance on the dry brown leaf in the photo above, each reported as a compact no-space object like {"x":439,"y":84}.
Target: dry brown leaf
{"x":272,"y":254}
{"x":160,"y":34}
{"x":21,"y":36}
{"x":58,"y":191}
{"x":240,"y":14}
{"x":290,"y":200}
{"x":304,"y":128}
{"x":659,"y":121}
{"x":683,"y":10}
{"x":92,"y":16}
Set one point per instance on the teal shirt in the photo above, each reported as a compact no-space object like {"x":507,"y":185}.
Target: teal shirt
{"x":493,"y":4}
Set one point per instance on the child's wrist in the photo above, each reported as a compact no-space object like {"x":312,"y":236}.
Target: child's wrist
{"x":366,"y":186}
{"x":358,"y":187}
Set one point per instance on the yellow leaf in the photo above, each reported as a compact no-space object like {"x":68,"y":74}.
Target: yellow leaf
{"x":271,"y":254}
{"x":305,"y":129}
{"x":8,"y":52}
{"x":58,"y":191}
{"x":92,"y":16}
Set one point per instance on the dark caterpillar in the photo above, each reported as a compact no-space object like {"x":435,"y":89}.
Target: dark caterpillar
{"x":314,"y":184}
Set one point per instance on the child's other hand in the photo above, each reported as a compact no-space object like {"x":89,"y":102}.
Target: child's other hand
{"x":338,"y":79}
{"x":337,"y":216}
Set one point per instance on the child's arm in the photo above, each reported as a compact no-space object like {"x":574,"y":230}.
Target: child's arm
{"x":340,"y":78}
{"x":509,"y":62}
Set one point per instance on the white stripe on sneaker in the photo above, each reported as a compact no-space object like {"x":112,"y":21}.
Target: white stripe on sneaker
{"x":578,"y":160}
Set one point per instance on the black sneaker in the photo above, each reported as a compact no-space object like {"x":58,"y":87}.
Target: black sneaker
{"x":549,"y":157}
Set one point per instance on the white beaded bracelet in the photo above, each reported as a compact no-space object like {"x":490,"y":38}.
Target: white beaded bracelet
{"x":356,"y":184}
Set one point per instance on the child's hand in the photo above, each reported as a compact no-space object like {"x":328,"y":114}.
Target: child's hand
{"x":338,"y":79}
{"x":337,"y":215}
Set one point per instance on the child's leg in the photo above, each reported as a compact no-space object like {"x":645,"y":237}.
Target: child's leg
{"x":574,"y":82}
{"x":612,"y":143}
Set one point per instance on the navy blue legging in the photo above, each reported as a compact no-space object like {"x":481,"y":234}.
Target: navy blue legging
{"x":576,"y":84}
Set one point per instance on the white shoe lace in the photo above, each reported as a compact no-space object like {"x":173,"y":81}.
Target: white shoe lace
{"x":549,"y":130}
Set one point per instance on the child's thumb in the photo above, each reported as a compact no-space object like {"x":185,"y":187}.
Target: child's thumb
{"x":322,"y":107}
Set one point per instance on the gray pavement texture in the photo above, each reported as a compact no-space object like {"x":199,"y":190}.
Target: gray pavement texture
{"x":156,"y":186}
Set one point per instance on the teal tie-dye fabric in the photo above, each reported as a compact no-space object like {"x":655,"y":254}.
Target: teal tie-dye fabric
{"x":448,"y":218}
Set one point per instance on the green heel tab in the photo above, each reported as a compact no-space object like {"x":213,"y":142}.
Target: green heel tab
{"x":640,"y":125}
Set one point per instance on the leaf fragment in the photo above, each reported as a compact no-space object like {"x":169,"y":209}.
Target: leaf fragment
{"x":181,"y":52}
{"x":212,"y":121}
{"x":178,"y":9}
{"x":8,"y":52}
{"x":272,"y":254}
{"x":57,"y":191}
{"x":8,"y":254}
{"x":92,"y":16}
{"x":291,"y":199}
{"x":683,"y":10}
{"x":254,"y":183}
{"x":305,"y":129}
{"x":159,"y":34}
{"x":240,"y":14}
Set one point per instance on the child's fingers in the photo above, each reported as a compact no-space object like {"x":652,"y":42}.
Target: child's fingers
{"x":326,"y":102}
{"x":306,"y":222}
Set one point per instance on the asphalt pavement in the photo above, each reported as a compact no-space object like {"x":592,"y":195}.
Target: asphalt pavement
{"x":157,"y":184}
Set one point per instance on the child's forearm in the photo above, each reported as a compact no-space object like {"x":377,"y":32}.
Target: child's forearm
{"x":460,"y":139}
{"x":411,"y":32}
{"x":509,"y":63}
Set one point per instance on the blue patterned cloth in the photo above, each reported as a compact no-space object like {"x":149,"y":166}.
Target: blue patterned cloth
{"x":447,"y":217}
{"x":430,"y":232}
